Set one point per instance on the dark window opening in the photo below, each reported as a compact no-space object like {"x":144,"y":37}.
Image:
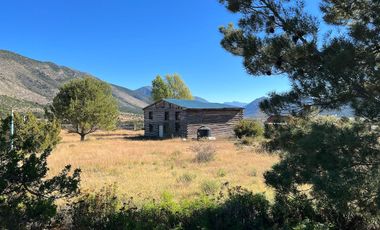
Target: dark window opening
{"x":150,"y":128}
{"x":166,"y":129}
{"x":177,"y":115}
{"x":203,"y":132}
{"x":150,"y":115}
{"x":177,"y":127}
{"x":166,"y":116}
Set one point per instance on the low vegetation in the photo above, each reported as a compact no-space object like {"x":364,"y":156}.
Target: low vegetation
{"x":209,"y":187}
{"x":186,"y":178}
{"x":247,"y":141}
{"x":204,"y":152}
{"x":221,"y":173}
{"x":148,"y":168}
{"x":235,"y":208}
{"x":209,"y":201}
{"x":248,"y":128}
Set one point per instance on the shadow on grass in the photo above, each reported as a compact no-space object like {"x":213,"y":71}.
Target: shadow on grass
{"x":141,"y":138}
{"x":107,"y":135}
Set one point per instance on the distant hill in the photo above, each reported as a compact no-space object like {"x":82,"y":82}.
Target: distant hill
{"x":236,"y":103}
{"x":252,"y":110}
{"x":30,"y":84}
{"x":144,"y":93}
{"x":200,"y":99}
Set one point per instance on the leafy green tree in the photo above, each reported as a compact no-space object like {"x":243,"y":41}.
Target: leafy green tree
{"x":160,"y":89}
{"x":87,"y":104}
{"x":177,"y":87}
{"x":173,"y":87}
{"x":339,"y":161}
{"x":27,"y":196}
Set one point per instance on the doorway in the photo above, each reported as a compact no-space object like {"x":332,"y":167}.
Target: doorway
{"x":161,"y":131}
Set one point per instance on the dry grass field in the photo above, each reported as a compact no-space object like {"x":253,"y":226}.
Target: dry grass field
{"x":148,"y":168}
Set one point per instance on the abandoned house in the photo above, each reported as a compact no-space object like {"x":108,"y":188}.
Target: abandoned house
{"x":190,"y":119}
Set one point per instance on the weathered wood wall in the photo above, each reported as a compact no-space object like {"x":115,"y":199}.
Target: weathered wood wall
{"x":221,"y":122}
{"x":158,"y":111}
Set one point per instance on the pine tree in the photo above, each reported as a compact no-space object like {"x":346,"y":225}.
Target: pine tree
{"x":337,"y":160}
{"x":27,"y":196}
{"x":87,"y":104}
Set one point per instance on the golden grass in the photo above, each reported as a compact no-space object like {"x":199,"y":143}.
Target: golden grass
{"x":147,"y":168}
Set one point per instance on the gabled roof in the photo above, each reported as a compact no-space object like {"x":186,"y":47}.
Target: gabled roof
{"x":192,"y":104}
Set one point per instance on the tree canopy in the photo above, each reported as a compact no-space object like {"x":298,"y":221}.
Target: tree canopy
{"x":172,"y":87}
{"x":27,"y":196}
{"x":87,"y":104}
{"x":329,"y":172}
{"x":160,"y":89}
{"x":277,"y":37}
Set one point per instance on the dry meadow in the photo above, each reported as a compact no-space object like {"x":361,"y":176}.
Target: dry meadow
{"x":148,"y":168}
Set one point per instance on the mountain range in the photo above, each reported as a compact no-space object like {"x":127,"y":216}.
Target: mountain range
{"x":27,"y":84}
{"x":252,"y":109}
{"x":30,"y":84}
{"x":236,"y":103}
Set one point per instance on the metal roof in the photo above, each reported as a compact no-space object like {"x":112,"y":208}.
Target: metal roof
{"x":192,"y":104}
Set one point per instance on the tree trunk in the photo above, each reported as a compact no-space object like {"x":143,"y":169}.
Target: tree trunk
{"x":82,"y":137}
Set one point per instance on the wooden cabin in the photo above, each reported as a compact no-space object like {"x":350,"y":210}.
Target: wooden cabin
{"x":190,"y":119}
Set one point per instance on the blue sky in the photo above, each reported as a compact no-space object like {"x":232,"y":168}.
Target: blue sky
{"x":129,"y":42}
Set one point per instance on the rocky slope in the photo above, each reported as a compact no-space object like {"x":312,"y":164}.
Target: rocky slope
{"x":24,"y":81}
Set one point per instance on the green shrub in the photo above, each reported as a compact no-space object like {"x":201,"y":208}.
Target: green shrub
{"x":271,"y":130}
{"x":204,"y":152}
{"x":93,"y":211}
{"x":234,"y":208}
{"x":248,"y":128}
{"x":247,"y":140}
{"x":186,"y":178}
{"x":244,"y":210}
{"x":221,"y":173}
{"x":209,"y":187}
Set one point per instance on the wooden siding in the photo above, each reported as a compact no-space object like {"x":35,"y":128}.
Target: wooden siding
{"x":221,"y":122}
{"x":158,"y":111}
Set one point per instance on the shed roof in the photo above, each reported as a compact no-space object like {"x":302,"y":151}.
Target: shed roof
{"x":192,"y":104}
